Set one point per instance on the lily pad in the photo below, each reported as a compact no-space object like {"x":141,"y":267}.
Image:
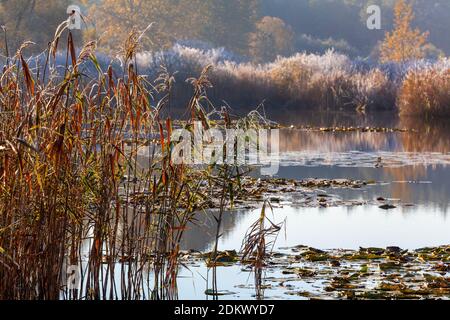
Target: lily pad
{"x":387,"y":207}
{"x":211,"y":292}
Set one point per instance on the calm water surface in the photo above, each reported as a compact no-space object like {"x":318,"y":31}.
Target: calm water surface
{"x":412,"y":171}
{"x":415,"y":177}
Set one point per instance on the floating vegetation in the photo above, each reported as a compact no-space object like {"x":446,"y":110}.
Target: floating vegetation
{"x":333,"y":183}
{"x":210,"y":292}
{"x":390,"y":273}
{"x":367,"y":273}
{"x":350,"y":129}
{"x":362,"y":159}
{"x":377,"y":273}
{"x":252,"y":192}
{"x":387,"y":207}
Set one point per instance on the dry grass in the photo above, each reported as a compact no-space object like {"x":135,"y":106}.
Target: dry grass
{"x":73,"y":190}
{"x":258,"y":244}
{"x":425,"y":93}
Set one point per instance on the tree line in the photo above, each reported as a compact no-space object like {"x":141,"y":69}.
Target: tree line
{"x":259,"y":30}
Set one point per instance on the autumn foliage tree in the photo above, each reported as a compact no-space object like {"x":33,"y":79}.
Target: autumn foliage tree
{"x":31,"y":20}
{"x":224,"y":23}
{"x":271,"y":38}
{"x":172,"y":20}
{"x":228,"y":23}
{"x":403,"y":43}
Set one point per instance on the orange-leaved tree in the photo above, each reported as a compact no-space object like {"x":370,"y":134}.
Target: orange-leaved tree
{"x":403,"y":43}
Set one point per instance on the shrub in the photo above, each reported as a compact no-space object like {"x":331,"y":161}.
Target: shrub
{"x":425,"y":93}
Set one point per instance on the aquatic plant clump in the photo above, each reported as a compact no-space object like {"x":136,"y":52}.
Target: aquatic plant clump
{"x":80,"y":212}
{"x":426,"y":92}
{"x":388,"y":273}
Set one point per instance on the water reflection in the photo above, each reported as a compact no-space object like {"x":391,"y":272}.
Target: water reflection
{"x":413,"y":166}
{"x":326,"y":118}
{"x":338,"y":227}
{"x":411,"y":184}
{"x":352,"y":227}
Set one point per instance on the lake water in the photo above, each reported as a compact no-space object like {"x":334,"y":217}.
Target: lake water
{"x":411,"y":171}
{"x":414,"y":177}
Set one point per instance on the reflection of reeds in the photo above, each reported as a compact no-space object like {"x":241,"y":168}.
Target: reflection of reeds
{"x":430,"y":136}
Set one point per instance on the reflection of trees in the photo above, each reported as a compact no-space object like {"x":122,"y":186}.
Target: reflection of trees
{"x":427,"y":138}
{"x":297,"y":140}
{"x":435,"y":193}
{"x":430,"y":136}
{"x":201,"y":234}
{"x":331,"y":118}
